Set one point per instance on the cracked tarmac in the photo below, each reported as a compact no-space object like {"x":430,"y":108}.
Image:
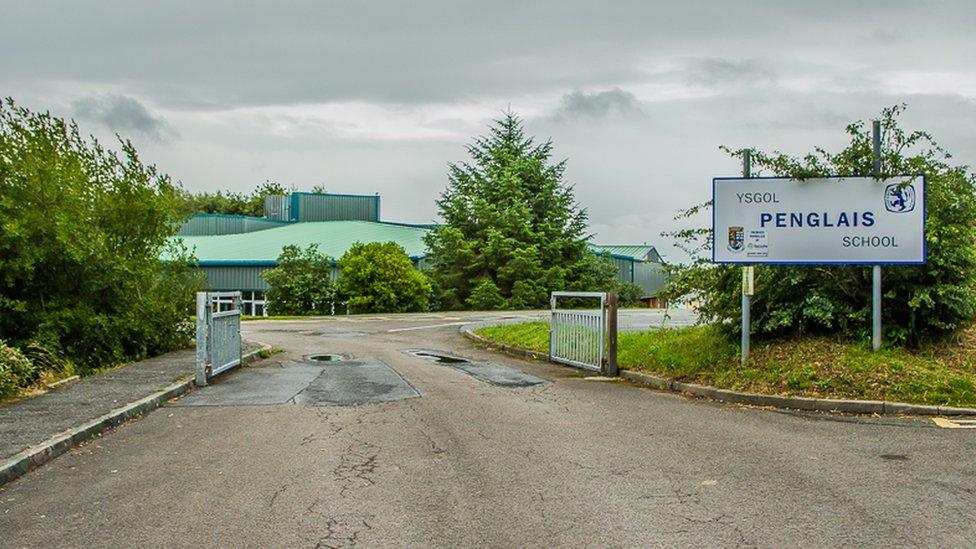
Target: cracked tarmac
{"x":568,"y":462}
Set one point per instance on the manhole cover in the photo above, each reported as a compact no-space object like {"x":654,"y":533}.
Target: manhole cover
{"x":326,"y":358}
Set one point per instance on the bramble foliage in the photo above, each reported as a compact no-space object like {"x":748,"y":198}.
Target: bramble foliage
{"x":81,"y":232}
{"x":380,"y":278}
{"x":301,"y":283}
{"x":918,"y":301}
{"x":16,"y":370}
{"x":512,"y":231}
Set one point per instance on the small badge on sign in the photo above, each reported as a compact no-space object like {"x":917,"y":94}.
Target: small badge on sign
{"x":737,"y":239}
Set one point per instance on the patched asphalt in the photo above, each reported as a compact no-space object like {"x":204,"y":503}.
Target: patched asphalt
{"x":488,"y":372}
{"x":307,"y":383}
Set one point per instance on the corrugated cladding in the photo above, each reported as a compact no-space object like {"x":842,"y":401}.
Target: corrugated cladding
{"x":217,"y":224}
{"x":235,"y":277}
{"x":240,"y":277}
{"x":334,"y":207}
{"x":624,"y":268}
{"x":277,"y":206}
{"x":637,"y":251}
{"x":650,"y":276}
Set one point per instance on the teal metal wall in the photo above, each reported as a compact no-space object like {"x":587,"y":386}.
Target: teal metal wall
{"x":334,"y":207}
{"x":232,"y":278}
{"x":652,"y":277}
{"x":217,"y":224}
{"x":240,"y":277}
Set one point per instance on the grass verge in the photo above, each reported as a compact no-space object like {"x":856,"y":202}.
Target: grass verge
{"x":823,"y":367}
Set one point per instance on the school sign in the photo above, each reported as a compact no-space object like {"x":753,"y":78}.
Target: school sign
{"x":842,"y":220}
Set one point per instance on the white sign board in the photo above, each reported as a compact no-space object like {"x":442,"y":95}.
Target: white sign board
{"x":846,"y":220}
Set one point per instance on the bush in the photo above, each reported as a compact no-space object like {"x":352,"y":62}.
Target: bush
{"x":16,"y":370}
{"x":380,"y":278}
{"x":919,"y":301}
{"x":82,"y":229}
{"x":301,"y":284}
{"x":629,"y":295}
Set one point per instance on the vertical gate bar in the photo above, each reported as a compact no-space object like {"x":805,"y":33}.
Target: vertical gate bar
{"x":612,"y":369}
{"x":201,"y":369}
{"x":552,"y":323}
{"x":603,"y":329}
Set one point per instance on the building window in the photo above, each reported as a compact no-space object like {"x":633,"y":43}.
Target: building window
{"x":254,"y":304}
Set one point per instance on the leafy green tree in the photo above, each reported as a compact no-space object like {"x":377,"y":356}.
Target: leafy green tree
{"x":82,"y":229}
{"x":227,"y":202}
{"x":380,"y":278}
{"x":301,"y":283}
{"x":512,"y":229}
{"x":919,"y":301}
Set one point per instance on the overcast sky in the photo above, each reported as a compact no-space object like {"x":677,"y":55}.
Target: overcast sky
{"x":368,"y":97}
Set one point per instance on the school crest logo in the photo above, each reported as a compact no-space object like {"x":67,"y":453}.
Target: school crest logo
{"x":737,"y":239}
{"x":899,"y":198}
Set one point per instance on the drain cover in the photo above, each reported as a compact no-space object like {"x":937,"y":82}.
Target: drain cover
{"x":326,"y":358}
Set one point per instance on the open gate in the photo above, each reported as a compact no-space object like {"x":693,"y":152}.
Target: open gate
{"x":585,"y":338}
{"x":218,"y":333}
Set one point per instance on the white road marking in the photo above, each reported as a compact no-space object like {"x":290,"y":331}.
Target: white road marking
{"x":425,"y":327}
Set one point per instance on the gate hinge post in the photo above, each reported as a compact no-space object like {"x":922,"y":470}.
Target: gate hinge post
{"x":612,"y":369}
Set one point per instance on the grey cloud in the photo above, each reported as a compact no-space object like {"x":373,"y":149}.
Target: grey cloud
{"x":123,"y":115}
{"x":218,"y":55}
{"x":716,"y":71}
{"x":613,"y":102}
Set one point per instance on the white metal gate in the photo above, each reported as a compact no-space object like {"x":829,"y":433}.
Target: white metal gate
{"x":218,"y":333}
{"x":578,"y":336}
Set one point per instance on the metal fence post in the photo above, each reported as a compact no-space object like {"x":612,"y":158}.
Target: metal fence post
{"x":876,"y":269}
{"x":203,"y":312}
{"x":746,"y":327}
{"x":612,"y":369}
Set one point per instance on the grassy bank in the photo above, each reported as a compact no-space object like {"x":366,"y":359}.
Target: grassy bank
{"x":943,"y":373}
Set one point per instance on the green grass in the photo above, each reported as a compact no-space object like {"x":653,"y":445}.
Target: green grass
{"x":268,"y":353}
{"x":942,"y":373}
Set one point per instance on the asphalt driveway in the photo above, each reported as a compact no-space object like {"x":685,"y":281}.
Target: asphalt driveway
{"x":454,"y":458}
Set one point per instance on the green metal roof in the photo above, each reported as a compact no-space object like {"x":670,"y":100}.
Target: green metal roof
{"x":332,"y":237}
{"x":637,"y":251}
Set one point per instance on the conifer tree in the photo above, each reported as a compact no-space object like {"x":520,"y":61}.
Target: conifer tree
{"x":512,"y":229}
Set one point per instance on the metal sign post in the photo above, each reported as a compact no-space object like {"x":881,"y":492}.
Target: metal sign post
{"x":747,"y":274}
{"x":876,"y":269}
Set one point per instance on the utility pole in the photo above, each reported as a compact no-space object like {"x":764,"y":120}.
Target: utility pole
{"x":747,"y":274}
{"x":876,"y":269}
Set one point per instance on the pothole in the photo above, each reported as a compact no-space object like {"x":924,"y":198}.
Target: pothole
{"x":439,"y":358}
{"x":326,"y":358}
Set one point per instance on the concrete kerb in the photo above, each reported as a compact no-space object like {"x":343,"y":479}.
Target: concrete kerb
{"x":35,"y":456}
{"x":878,"y":407}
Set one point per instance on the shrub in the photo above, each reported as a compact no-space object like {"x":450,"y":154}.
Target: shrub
{"x":629,"y":295}
{"x":16,"y":370}
{"x":380,"y":278}
{"x":82,"y":229}
{"x":301,"y":283}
